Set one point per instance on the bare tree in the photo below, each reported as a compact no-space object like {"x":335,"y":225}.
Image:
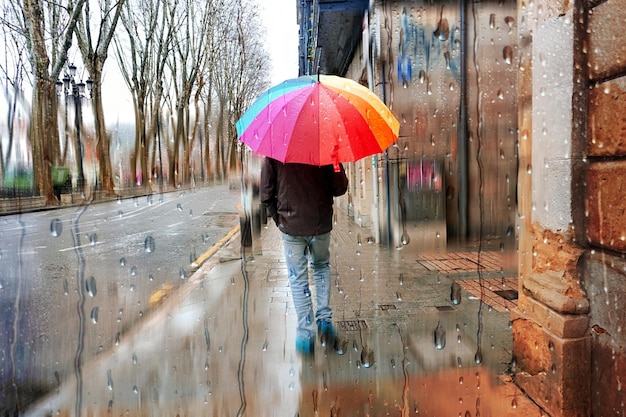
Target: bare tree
{"x":194,"y":22}
{"x":48,"y":28}
{"x":242,"y":73}
{"x":94,"y":53}
{"x":141,"y":53}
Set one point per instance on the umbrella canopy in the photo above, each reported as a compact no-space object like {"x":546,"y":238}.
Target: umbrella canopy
{"x":318,"y":120}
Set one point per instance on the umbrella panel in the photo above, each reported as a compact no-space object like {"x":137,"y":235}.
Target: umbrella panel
{"x":318,"y":124}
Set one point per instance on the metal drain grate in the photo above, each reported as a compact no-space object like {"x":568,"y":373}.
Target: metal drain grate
{"x":507,"y":294}
{"x":386,"y":307}
{"x":352,"y":325}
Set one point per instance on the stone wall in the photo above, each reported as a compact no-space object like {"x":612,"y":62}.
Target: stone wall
{"x":569,"y":345}
{"x":604,"y":222}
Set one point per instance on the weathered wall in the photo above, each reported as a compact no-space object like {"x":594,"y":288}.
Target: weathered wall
{"x":603,"y":145}
{"x":568,"y":339}
{"x":550,"y":325}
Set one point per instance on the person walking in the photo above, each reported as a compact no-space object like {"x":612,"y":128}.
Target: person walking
{"x":299,"y":198}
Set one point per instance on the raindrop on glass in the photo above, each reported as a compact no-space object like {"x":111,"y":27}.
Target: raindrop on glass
{"x":93,"y":239}
{"x":133,"y":271}
{"x":109,"y":380}
{"x":134,"y":358}
{"x":56,"y":227}
{"x":91,"y":288}
{"x":148,"y":244}
{"x":122,"y":261}
{"x":117,"y":339}
{"x":179,"y":207}
{"x":94,"y":315}
{"x":478,"y":357}
{"x":510,"y":21}
{"x":367,"y":357}
{"x":507,"y":54}
{"x":65,"y":287}
{"x":401,"y":279}
{"x":440,"y":337}
{"x":455,"y":293}
{"x":264,"y":347}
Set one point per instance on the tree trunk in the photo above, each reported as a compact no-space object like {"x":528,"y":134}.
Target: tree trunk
{"x":43,"y":133}
{"x":103,"y":141}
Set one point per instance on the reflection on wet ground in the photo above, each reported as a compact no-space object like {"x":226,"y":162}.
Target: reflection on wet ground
{"x":413,"y":340}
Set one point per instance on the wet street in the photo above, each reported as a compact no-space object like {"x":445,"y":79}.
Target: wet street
{"x":421,"y":332}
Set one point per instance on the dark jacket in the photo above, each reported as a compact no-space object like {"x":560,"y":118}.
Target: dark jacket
{"x":299,"y":197}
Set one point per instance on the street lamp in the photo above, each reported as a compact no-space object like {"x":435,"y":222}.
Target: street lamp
{"x":77,"y":90}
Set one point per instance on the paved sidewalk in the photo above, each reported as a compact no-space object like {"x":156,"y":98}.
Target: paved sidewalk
{"x":224,"y":343}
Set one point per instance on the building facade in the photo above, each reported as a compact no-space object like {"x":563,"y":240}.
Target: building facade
{"x":511,"y":138}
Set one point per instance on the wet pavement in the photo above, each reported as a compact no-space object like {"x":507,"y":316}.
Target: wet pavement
{"x":414,"y":335}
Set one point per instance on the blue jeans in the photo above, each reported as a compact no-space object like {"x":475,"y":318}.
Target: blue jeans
{"x":299,"y":251}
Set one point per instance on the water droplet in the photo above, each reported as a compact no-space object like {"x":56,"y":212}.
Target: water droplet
{"x":455,"y":293}
{"x":109,"y":380}
{"x":65,"y":287}
{"x":179,"y":207}
{"x":401,"y":279}
{"x":93,"y":239}
{"x":91,"y":288}
{"x":134,"y":358}
{"x":148,"y":244}
{"x":56,"y":227}
{"x":510,"y":21}
{"x":398,"y":296}
{"x":367,"y":357}
{"x":135,"y":389}
{"x":440,"y":336}
{"x":122,"y":261}
{"x":117,"y":339}
{"x":507,"y":54}
{"x":492,"y":20}
{"x":94,"y":315}
{"x":478,"y":357}
{"x":264,"y":347}
{"x":133,"y":271}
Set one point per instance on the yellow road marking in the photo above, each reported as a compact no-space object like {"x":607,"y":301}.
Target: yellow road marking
{"x":206,"y":255}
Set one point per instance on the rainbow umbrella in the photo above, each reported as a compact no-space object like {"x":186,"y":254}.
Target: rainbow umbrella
{"x":318,"y":120}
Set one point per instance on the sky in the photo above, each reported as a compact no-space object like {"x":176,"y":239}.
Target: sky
{"x":280,"y":21}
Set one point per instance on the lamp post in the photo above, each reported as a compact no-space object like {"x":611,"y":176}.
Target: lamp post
{"x":69,"y":87}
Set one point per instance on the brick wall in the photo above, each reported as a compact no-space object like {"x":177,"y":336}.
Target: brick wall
{"x":603,"y":150}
